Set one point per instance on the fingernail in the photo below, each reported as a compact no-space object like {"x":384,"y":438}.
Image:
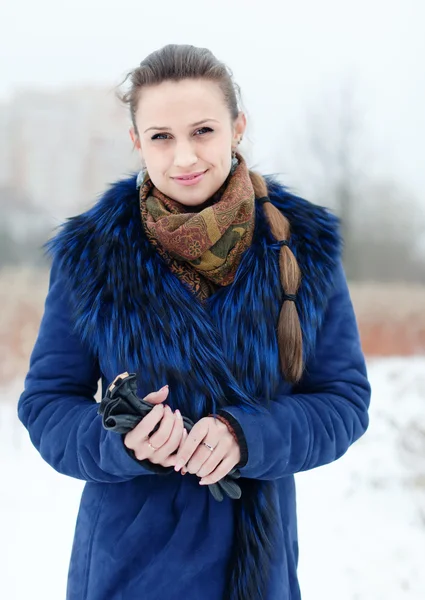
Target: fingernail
{"x":179,"y":465}
{"x":183,"y":471}
{"x":164,"y":388}
{"x":178,"y":413}
{"x":202,"y":482}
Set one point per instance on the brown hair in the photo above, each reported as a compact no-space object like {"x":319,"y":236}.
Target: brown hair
{"x":175,"y":63}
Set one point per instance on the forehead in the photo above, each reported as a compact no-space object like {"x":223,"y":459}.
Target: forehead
{"x":181,"y":102}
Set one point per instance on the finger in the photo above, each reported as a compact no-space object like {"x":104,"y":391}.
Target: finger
{"x":195,"y":437}
{"x":212,"y":461}
{"x":160,"y":437}
{"x":202,"y":454}
{"x":177,"y":434}
{"x":183,"y":438}
{"x":168,"y":462}
{"x":185,"y":434}
{"x":143,"y":429}
{"x":221,"y":471}
{"x":157,"y":397}
{"x":173,"y":441}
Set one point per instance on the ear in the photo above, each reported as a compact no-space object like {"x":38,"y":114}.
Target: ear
{"x":239,"y":127}
{"x":135,"y":139}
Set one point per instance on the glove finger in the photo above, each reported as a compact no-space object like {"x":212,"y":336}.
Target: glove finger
{"x":216,"y":492}
{"x":234,"y":474}
{"x":230,"y":488}
{"x":121,"y":423}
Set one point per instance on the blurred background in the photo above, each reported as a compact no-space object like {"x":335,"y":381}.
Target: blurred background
{"x":334,"y":93}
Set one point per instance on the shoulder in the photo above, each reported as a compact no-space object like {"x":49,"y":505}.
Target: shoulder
{"x":315,"y":237}
{"x":115,"y":212}
{"x":316,"y":243}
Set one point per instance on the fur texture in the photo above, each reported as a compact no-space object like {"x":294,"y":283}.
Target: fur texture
{"x":135,"y":315}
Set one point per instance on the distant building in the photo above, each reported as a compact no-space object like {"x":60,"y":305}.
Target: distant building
{"x":61,"y":149}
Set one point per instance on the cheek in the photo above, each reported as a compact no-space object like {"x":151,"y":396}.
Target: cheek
{"x":156,"y":159}
{"x":226,"y":160}
{"x":220,"y":154}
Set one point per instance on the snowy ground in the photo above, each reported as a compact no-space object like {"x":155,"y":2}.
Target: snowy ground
{"x":361,"y":520}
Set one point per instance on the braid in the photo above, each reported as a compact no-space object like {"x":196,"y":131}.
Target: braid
{"x":289,"y":328}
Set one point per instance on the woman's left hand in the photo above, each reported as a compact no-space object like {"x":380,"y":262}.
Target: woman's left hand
{"x":199,"y":459}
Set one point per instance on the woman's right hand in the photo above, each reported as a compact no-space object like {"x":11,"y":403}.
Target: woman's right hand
{"x":159,"y":447}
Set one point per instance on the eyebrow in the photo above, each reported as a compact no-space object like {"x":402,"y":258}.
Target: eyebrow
{"x":192,"y":125}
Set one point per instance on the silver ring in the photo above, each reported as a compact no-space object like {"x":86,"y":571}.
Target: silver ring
{"x":208,"y":446}
{"x":153,"y":447}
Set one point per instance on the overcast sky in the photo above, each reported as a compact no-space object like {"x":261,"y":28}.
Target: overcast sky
{"x":288,"y":57}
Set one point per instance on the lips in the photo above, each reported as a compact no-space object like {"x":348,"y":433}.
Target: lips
{"x":190,"y":179}
{"x":189,"y":176}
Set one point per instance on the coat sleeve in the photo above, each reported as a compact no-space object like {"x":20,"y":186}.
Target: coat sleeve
{"x":326,"y":412}
{"x":58,"y":406}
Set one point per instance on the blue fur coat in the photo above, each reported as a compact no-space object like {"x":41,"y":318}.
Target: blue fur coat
{"x":114,"y":306}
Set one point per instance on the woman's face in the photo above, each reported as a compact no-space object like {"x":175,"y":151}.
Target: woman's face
{"x":185,"y":138}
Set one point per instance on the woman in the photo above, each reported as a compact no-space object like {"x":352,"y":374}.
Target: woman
{"x":225,"y":294}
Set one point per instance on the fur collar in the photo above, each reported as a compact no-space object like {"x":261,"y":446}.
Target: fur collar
{"x":134,"y":314}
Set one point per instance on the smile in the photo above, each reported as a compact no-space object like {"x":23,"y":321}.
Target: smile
{"x":191,"y":179}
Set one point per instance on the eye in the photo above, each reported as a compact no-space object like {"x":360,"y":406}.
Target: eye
{"x":203,"y":130}
{"x":160,"y":136}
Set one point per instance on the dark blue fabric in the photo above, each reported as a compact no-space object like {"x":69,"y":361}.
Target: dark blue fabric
{"x":324,"y":414}
{"x":113,"y":306}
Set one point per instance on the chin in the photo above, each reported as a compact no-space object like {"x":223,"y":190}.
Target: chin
{"x":191,"y":196}
{"x":191,"y":201}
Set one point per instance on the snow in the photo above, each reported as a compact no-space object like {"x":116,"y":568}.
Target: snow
{"x":369,"y":506}
{"x":361,"y":519}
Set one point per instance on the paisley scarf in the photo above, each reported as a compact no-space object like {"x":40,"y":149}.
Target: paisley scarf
{"x":202,"y":246}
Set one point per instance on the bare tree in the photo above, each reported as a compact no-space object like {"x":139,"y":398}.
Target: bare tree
{"x":380,"y":222}
{"x":334,"y":132}
{"x":387,"y":230}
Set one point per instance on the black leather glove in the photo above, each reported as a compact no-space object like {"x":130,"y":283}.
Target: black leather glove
{"x":122,"y":409}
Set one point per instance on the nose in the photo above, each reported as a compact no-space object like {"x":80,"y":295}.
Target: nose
{"x":184,"y":155}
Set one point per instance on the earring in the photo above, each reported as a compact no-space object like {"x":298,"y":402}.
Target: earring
{"x":141,"y":176}
{"x":235,"y":161}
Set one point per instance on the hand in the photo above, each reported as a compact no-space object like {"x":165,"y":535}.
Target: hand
{"x":210,"y":466}
{"x":160,"y":446}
